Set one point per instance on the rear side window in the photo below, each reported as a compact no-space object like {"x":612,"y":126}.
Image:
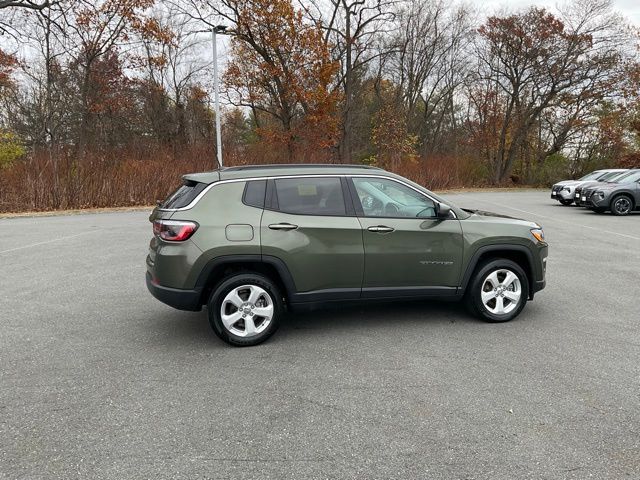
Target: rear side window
{"x":254,"y":193}
{"x":310,"y":196}
{"x":184,"y":195}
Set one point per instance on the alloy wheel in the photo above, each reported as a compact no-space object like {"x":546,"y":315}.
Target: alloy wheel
{"x":501,"y":291}
{"x":622,"y":205}
{"x":247,"y":311}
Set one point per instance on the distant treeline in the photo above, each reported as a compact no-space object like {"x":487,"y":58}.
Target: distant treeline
{"x":107,"y":102}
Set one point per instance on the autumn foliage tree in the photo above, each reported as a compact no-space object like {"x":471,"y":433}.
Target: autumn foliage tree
{"x":536,"y":62}
{"x":281,"y":67}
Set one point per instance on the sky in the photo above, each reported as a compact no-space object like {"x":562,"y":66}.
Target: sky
{"x":628,"y":8}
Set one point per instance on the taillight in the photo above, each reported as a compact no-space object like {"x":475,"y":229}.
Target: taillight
{"x":174,"y":230}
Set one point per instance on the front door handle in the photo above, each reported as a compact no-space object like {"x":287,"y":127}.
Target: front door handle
{"x":282,"y":226}
{"x":381,"y":229}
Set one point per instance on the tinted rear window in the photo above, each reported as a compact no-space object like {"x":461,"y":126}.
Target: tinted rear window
{"x":254,"y":193}
{"x":184,"y":195}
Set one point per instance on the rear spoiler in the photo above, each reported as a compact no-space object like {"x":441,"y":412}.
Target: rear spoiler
{"x":205,"y":177}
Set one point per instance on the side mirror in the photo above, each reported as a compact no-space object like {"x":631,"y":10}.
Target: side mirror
{"x":443,"y":211}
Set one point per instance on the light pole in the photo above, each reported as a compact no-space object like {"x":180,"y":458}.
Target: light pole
{"x":222,"y":29}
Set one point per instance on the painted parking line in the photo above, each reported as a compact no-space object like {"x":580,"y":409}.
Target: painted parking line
{"x":23,"y":247}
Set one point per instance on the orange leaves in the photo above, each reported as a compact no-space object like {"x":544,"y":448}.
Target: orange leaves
{"x":7,"y":64}
{"x":282,"y":66}
{"x":107,"y":22}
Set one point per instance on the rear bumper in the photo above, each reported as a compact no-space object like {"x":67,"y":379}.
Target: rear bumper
{"x":176,"y":297}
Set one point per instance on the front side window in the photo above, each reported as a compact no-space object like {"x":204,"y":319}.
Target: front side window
{"x":310,"y":196}
{"x":381,"y":197}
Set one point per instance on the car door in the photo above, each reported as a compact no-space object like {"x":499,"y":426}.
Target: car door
{"x":310,"y":227}
{"x":408,"y":250}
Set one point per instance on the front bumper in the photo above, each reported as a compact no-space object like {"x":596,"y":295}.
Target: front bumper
{"x":541,"y":281}
{"x":562,"y":195}
{"x":176,"y":297}
{"x":595,"y":201}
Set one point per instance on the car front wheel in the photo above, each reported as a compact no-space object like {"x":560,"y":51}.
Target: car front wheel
{"x":498,"y":291}
{"x":245,"y":309}
{"x":621,"y":205}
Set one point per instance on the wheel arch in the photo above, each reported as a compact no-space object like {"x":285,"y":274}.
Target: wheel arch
{"x":220,"y":267}
{"x":516,"y":253}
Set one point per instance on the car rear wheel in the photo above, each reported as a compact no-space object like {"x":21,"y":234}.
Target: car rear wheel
{"x":498,"y":291}
{"x":245,"y":309}
{"x":621,"y":205}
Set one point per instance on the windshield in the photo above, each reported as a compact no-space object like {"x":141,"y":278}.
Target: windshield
{"x":592,"y":176}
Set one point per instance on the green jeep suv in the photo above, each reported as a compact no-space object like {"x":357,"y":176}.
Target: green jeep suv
{"x":250,"y":241}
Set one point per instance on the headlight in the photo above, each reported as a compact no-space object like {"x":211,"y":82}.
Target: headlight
{"x":600,"y":194}
{"x":538,"y":234}
{"x":568,"y":189}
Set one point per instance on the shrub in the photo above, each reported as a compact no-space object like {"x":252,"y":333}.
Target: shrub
{"x":11,"y":149}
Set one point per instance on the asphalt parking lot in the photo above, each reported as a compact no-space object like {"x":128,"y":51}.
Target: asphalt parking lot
{"x":100,"y":380}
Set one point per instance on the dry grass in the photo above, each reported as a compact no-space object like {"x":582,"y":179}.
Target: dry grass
{"x":64,"y":181}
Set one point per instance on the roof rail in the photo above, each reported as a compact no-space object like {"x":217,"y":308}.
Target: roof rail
{"x":295,"y":165}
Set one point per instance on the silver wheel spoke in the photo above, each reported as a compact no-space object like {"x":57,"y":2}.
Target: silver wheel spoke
{"x":493,"y":279}
{"x":513,"y":296}
{"x":265,"y":312}
{"x":508,"y":280}
{"x":249,"y":326}
{"x":486,"y":296}
{"x":499,"y":305}
{"x":254,"y":294}
{"x":229,"y":320}
{"x":234,"y":298}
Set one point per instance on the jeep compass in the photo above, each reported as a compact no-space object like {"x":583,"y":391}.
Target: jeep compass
{"x":249,"y":242}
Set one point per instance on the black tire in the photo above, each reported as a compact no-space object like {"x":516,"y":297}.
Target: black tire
{"x":621,"y":205}
{"x":473,"y":297}
{"x":226,"y":287}
{"x":566,"y":203}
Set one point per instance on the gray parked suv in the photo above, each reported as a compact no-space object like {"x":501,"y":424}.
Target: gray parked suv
{"x":609,"y":177}
{"x":620,"y":197}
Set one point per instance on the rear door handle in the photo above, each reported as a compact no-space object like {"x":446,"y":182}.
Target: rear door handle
{"x":282,"y":226}
{"x":381,"y":229}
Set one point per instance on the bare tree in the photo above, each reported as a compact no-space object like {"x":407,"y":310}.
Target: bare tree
{"x":539,"y":61}
{"x":353,"y":28}
{"x":28,"y":4}
{"x":175,"y":68}
{"x":428,"y":62}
